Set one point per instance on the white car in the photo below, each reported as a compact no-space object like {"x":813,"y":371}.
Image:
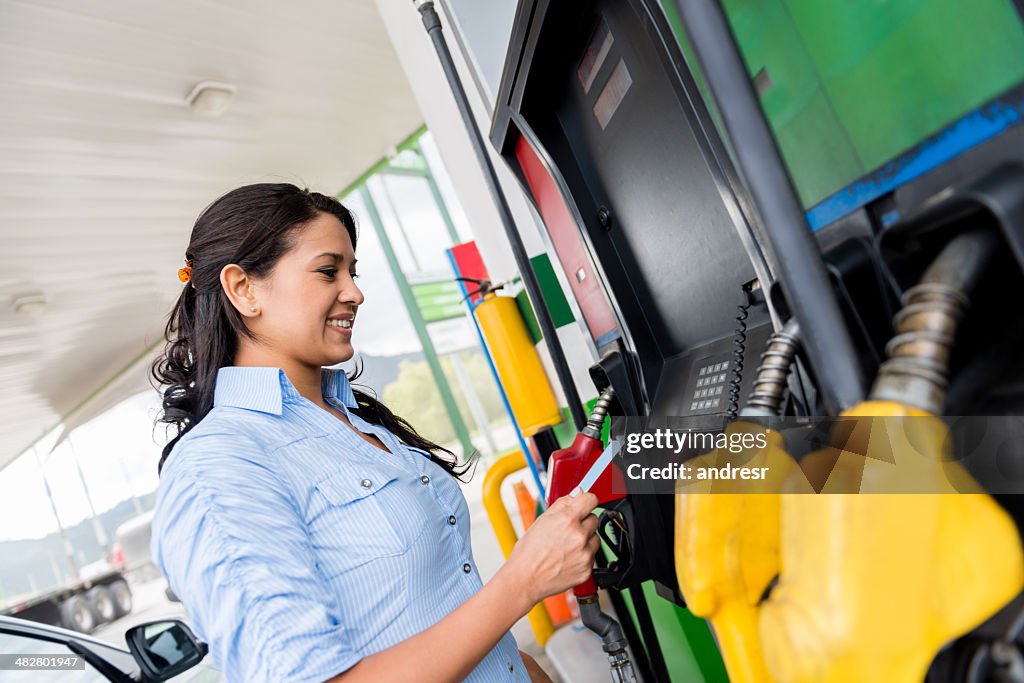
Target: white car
{"x":156,"y":651}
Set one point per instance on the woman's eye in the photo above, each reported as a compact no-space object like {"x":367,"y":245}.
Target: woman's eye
{"x":355,"y":276}
{"x":329,"y":272}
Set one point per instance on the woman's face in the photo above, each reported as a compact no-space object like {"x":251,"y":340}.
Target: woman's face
{"x":307,"y":305}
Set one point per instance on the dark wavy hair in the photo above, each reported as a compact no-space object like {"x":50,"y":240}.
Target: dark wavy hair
{"x":252,"y":227}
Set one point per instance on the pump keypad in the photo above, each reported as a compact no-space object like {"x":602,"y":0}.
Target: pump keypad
{"x":711,"y":389}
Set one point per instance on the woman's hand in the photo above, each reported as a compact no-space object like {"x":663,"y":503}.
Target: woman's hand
{"x":537,"y":674}
{"x":554,"y":555}
{"x":557,"y":552}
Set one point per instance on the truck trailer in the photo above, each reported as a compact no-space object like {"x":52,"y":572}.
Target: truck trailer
{"x":80,"y":605}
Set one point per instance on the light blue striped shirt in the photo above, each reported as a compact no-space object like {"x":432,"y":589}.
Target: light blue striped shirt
{"x":299,"y":548}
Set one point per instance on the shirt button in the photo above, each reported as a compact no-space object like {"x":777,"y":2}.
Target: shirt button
{"x":466,"y":568}
{"x":510,"y":667}
{"x":451,"y":520}
{"x":366,"y":483}
{"x":424,"y":479}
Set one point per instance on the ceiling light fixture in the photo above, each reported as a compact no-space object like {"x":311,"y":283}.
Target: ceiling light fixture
{"x":29,"y":304}
{"x":210,"y":98}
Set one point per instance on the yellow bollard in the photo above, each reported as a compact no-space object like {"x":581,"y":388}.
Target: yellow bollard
{"x":501,"y":522}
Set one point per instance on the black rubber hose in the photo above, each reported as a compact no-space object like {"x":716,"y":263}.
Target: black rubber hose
{"x":650,"y":636}
{"x":622,"y":614}
{"x":963,"y":261}
{"x":432,"y":23}
{"x":801,"y":271}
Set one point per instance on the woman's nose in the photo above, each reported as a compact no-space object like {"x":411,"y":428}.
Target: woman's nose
{"x":351,"y":294}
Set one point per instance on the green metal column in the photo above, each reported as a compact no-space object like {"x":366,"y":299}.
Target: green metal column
{"x":419,"y":325}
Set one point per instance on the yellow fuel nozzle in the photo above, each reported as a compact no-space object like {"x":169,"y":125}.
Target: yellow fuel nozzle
{"x":727,"y":547}
{"x":875,"y":582}
{"x":727,"y":532}
{"x":901,"y":551}
{"x":885,"y":548}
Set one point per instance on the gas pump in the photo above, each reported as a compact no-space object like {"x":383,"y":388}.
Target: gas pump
{"x":676,"y":154}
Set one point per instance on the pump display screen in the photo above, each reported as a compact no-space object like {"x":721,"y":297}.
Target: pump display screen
{"x":849,"y":87}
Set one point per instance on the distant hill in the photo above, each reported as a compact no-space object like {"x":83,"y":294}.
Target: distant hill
{"x":32,"y":565}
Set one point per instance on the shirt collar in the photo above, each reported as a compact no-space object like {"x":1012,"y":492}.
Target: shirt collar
{"x":266,"y":389}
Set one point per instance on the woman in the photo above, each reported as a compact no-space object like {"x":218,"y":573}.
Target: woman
{"x":311,"y":533}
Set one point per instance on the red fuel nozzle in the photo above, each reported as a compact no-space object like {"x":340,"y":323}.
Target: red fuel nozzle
{"x":568,"y":466}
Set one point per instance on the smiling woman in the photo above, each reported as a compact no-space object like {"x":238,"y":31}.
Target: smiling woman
{"x":271,"y":272}
{"x":310,"y":532}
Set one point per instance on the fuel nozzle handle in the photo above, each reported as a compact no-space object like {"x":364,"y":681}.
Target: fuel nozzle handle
{"x":568,"y":467}
{"x":592,"y":431}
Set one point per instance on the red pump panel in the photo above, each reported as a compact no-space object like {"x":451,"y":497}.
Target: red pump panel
{"x":567,"y":242}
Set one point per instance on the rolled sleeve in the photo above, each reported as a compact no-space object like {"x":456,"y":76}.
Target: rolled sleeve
{"x":233,"y":545}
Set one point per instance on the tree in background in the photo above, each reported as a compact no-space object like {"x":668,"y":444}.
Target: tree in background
{"x":414,"y":396}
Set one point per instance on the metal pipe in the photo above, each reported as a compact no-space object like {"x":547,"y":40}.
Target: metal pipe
{"x":801,"y":271}
{"x":595,"y":423}
{"x":613,"y":642}
{"x":772,"y":375}
{"x":917,"y":371}
{"x":432,"y":24}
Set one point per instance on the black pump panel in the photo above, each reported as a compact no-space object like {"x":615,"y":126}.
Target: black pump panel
{"x":602,"y":90}
{"x":675,"y":240}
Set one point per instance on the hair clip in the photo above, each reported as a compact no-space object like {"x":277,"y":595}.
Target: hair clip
{"x":185,"y":274}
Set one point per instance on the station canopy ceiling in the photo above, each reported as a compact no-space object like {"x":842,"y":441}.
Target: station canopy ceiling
{"x":104,"y":167}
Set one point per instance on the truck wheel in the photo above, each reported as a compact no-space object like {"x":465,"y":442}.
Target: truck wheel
{"x":102,"y":604}
{"x":122,"y":597}
{"x":76,"y":614}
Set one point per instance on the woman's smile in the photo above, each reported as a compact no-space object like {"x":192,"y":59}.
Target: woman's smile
{"x":342,"y":324}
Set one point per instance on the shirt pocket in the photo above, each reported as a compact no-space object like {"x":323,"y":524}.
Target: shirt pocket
{"x":362,"y":514}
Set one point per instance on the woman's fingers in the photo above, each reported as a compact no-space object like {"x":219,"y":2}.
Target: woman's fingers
{"x":580,"y":504}
{"x":557,"y":552}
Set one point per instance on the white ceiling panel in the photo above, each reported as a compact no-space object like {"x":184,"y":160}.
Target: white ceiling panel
{"x":103,"y":168}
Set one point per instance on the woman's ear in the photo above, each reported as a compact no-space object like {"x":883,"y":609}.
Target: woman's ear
{"x":239,"y":287}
